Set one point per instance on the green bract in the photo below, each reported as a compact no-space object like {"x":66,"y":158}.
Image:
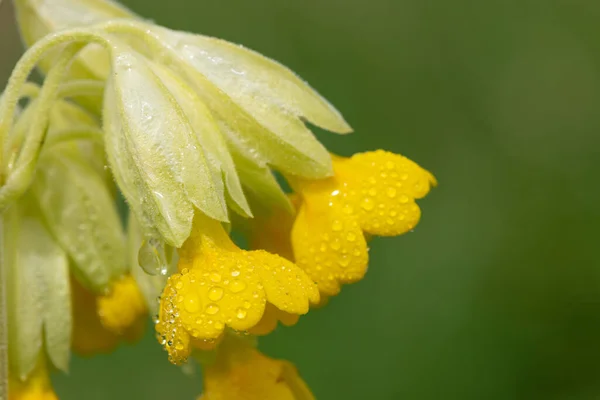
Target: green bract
{"x":39,"y":300}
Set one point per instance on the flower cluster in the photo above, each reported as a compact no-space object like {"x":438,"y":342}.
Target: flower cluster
{"x":188,"y":130}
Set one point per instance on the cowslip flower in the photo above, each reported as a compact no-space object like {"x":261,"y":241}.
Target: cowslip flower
{"x":68,"y":279}
{"x":219,"y":285}
{"x":192,"y":129}
{"x":370,"y":193}
{"x":240,"y":371}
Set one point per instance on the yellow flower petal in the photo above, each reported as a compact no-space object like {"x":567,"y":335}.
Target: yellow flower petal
{"x":242,"y":373}
{"x":221,"y":285}
{"x":269,"y":320}
{"x":123,"y":306}
{"x":37,"y":386}
{"x":382,"y":188}
{"x":89,"y":334}
{"x":370,"y":194}
{"x":329,"y":244}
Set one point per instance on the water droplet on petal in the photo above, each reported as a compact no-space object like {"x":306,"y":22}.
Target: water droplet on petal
{"x":215,"y":277}
{"x":337,"y":226}
{"x":212,"y":309}
{"x":241,"y":313}
{"x":191,"y":303}
{"x":215,"y":293}
{"x":367,"y":204}
{"x":237,"y":286}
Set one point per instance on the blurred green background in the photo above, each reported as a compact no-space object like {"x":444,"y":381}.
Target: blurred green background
{"x":496,"y":295}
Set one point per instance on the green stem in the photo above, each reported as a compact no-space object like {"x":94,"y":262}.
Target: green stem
{"x":90,"y":133}
{"x":25,"y":65}
{"x":20,"y":178}
{"x":82,"y":87}
{"x":3,"y":321}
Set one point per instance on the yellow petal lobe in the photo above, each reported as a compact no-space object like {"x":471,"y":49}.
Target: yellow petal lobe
{"x":370,"y":193}
{"x":243,"y":373}
{"x":383,"y":187}
{"x":37,"y":386}
{"x":123,"y":306}
{"x":219,"y":285}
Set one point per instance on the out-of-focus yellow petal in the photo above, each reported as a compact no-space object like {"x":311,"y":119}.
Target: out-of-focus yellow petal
{"x":243,"y":373}
{"x":37,"y":386}
{"x":122,"y":306}
{"x":90,"y":336}
{"x":269,"y":320}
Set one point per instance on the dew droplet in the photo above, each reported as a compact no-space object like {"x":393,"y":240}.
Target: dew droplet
{"x":344,"y":262}
{"x":212,"y":309}
{"x":191,"y":303}
{"x":241,"y":313}
{"x":247,"y":305}
{"x":219,"y":325}
{"x":215,"y":293}
{"x":215,"y":277}
{"x":351,"y":237}
{"x":391,"y":192}
{"x":404,"y":199}
{"x":237,"y":286}
{"x":337,"y":226}
{"x":367,"y":204}
{"x":151,"y":257}
{"x":235,"y":272}
{"x":179,"y":285}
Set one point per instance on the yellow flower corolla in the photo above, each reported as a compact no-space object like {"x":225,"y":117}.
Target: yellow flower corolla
{"x":240,"y":372}
{"x":122,"y":306}
{"x":370,"y":193}
{"x":90,"y":336}
{"x":37,"y":386}
{"x":219,"y":285}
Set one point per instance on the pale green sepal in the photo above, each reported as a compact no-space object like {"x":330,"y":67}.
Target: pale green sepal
{"x":256,"y":176}
{"x":81,"y":213}
{"x":209,"y":137}
{"x":37,"y":18}
{"x":151,"y":286}
{"x":260,"y":121}
{"x":160,"y":146}
{"x":39,"y":292}
{"x":134,"y":188}
{"x":66,"y":115}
